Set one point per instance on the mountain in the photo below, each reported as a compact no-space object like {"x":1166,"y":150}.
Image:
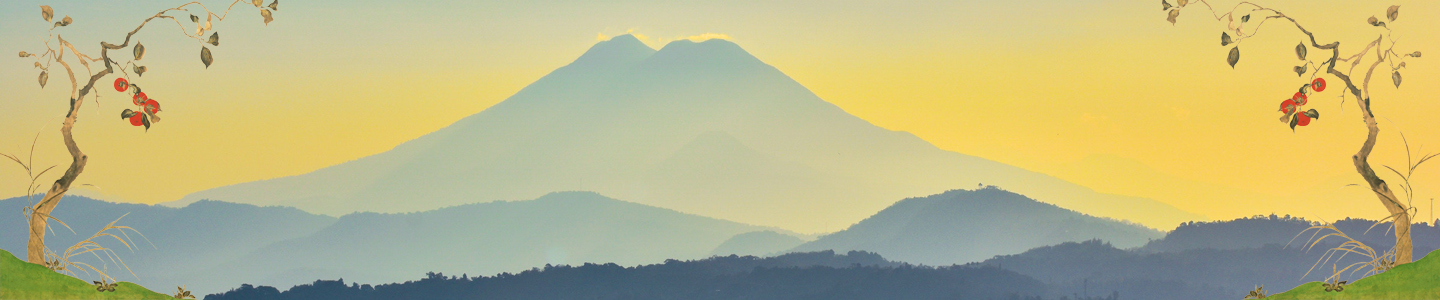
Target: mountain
{"x":1258,"y":231}
{"x":483,"y":238}
{"x":757,"y":243}
{"x":1205,"y":260}
{"x":699,"y":127}
{"x":962,"y":226}
{"x":172,"y":242}
{"x":795,"y":276}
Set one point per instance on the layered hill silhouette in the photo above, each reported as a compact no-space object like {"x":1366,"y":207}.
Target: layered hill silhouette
{"x":963,"y":226}
{"x":175,"y":241}
{"x":209,"y":246}
{"x":699,"y":127}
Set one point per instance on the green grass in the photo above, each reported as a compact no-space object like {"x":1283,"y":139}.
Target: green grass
{"x":1417,"y":280}
{"x":22,"y":280}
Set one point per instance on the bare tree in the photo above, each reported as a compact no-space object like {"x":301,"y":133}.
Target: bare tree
{"x":38,"y":214}
{"x":1245,"y":20}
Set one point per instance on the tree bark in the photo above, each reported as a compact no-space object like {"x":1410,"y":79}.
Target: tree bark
{"x":40,"y":213}
{"x":1399,"y":213}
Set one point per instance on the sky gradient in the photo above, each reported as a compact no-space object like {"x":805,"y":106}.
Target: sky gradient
{"x":1106,"y":94}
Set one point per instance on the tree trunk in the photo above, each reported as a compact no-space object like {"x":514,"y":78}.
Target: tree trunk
{"x":1398,"y":212}
{"x":41,"y":211}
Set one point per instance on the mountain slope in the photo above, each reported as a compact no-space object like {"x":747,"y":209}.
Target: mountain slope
{"x":962,"y":226}
{"x":485,"y":238}
{"x":654,"y":127}
{"x":176,"y":241}
{"x":757,"y":243}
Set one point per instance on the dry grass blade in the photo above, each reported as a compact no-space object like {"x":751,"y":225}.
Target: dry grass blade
{"x":1374,"y":263}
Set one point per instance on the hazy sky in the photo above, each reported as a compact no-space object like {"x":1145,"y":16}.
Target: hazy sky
{"x":1103,"y":93}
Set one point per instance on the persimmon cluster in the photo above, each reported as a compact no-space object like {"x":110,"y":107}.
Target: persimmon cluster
{"x":1292,"y":107}
{"x":148,"y":107}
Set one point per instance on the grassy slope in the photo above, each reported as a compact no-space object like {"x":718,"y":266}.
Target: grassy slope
{"x":22,"y":280}
{"x":1417,"y":280}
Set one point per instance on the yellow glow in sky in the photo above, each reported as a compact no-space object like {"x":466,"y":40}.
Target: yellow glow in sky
{"x":1105,"y":94}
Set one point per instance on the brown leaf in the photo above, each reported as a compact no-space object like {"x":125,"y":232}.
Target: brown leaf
{"x":1393,"y":12}
{"x":274,"y":5}
{"x":47,"y":13}
{"x":1174,"y":13}
{"x":44,"y":76}
{"x":1183,"y":2}
{"x":140,"y":70}
{"x":66,"y":21}
{"x":214,"y":39}
{"x":1300,"y":70}
{"x":1300,"y":51}
{"x":23,"y":54}
{"x":205,"y":57}
{"x":1416,"y":54}
{"x":256,"y":2}
{"x":1395,"y":76}
{"x":1225,"y":39}
{"x":1165,"y":4}
{"x":1234,"y":57}
{"x":139,"y":51}
{"x":195,"y":19}
{"x":266,"y":14}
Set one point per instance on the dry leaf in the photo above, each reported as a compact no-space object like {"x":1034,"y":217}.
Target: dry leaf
{"x":266,"y":14}
{"x":47,"y":13}
{"x":1234,"y":56}
{"x":44,"y":76}
{"x":1173,"y":14}
{"x":205,"y":57}
{"x":139,"y":51}
{"x":1393,"y":12}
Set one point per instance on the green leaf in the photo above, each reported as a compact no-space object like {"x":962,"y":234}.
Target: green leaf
{"x":205,"y":56}
{"x":1294,"y":120}
{"x":1162,"y":2}
{"x":146,"y":120}
{"x":127,"y":114}
{"x":1300,"y":71}
{"x":1312,"y":113}
{"x":1303,"y":87}
{"x":1234,"y":56}
{"x":140,"y":70}
{"x":1225,"y":39}
{"x":1244,"y":19}
{"x":214,"y":39}
{"x":195,"y":19}
{"x":139,"y":51}
{"x":1300,"y":51}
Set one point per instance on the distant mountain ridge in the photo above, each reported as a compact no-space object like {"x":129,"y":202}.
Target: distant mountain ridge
{"x":175,"y":241}
{"x":702,"y":128}
{"x":209,"y":246}
{"x":963,"y":226}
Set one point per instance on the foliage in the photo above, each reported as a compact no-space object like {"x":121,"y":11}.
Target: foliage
{"x":726,"y":277}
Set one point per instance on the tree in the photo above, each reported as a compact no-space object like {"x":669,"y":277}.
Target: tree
{"x":1239,"y":23}
{"x":38,"y":215}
